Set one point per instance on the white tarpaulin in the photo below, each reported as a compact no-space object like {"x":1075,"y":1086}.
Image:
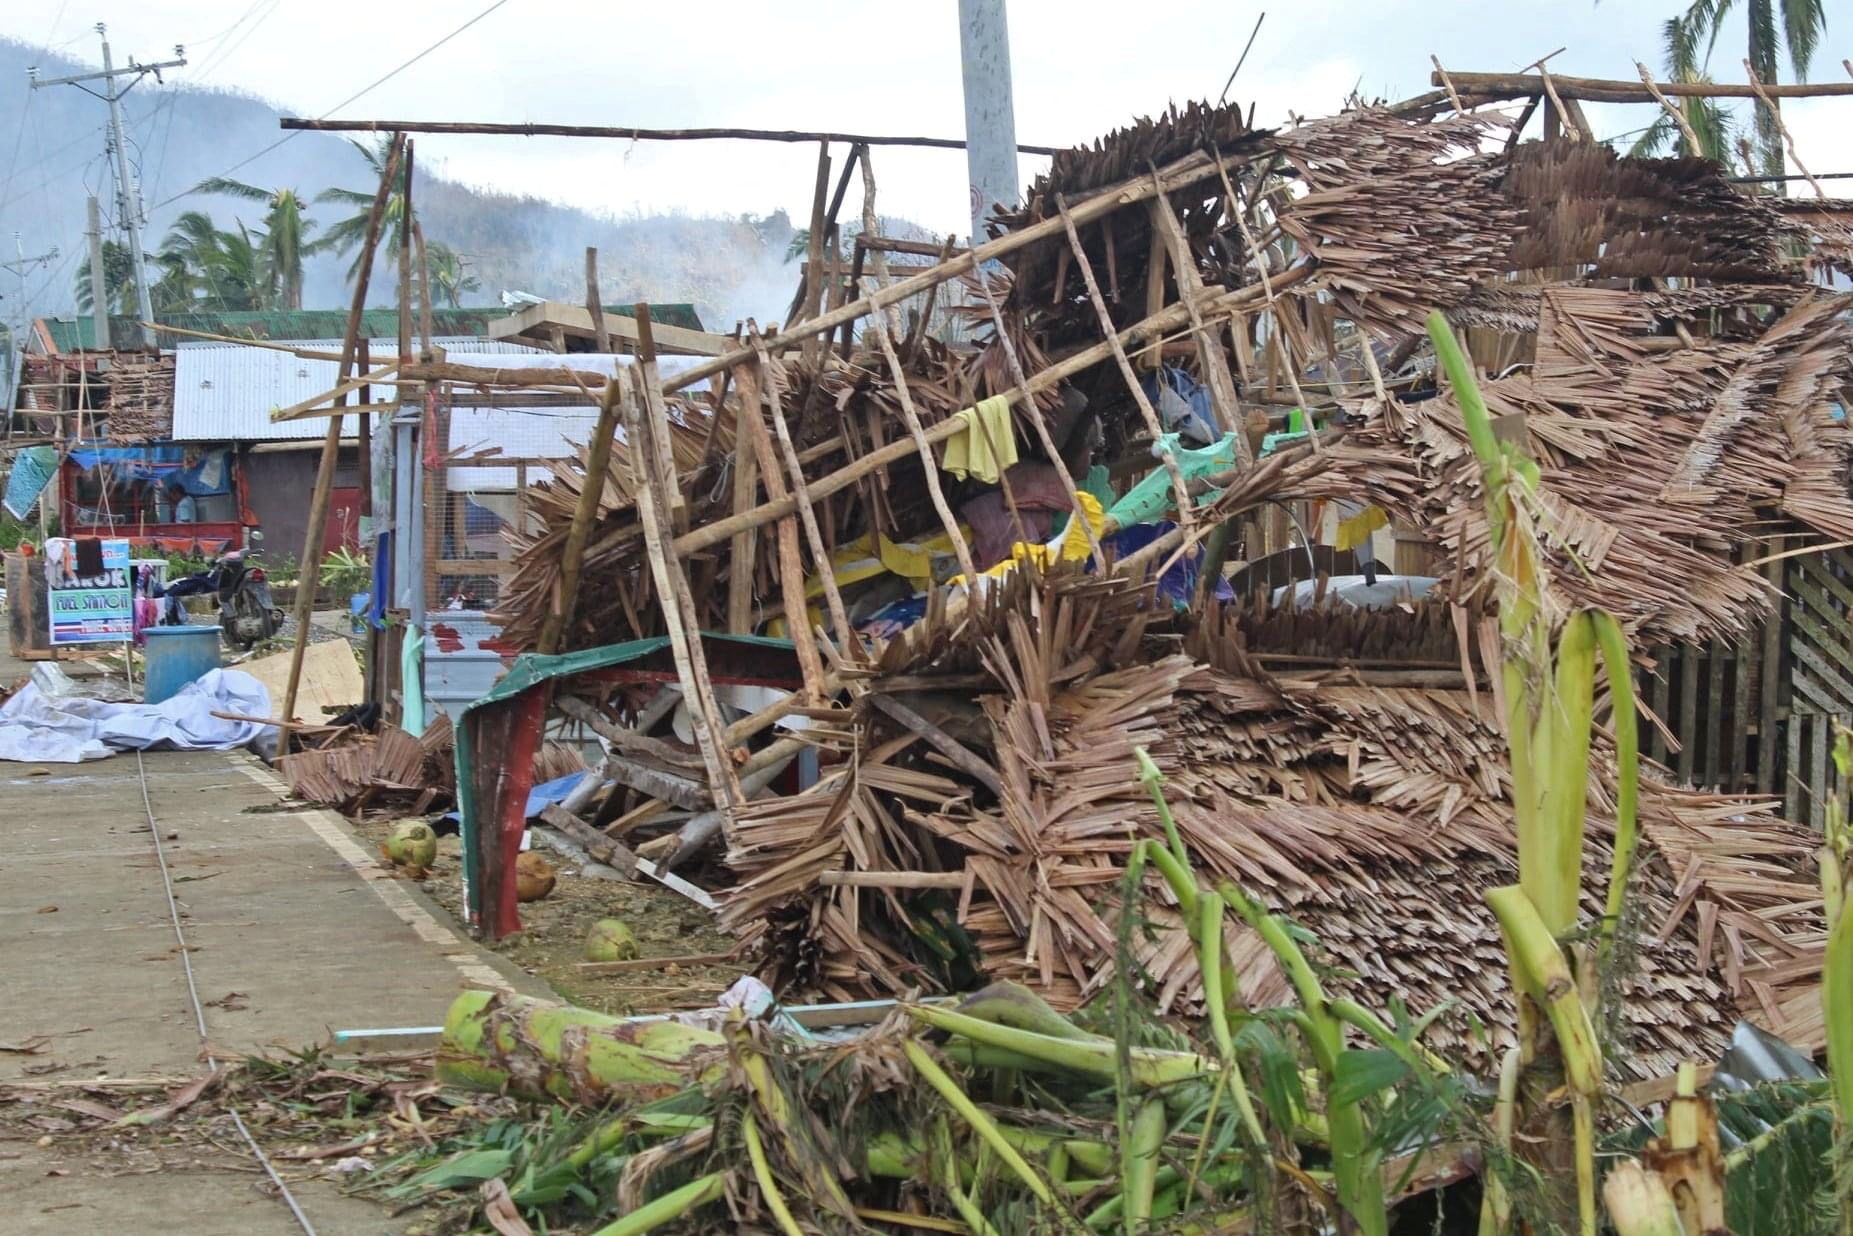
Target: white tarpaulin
{"x":39,"y":728}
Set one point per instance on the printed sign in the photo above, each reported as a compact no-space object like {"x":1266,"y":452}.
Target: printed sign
{"x":93,"y":608}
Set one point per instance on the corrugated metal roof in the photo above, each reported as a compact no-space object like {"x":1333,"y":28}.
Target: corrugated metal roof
{"x":225,"y":392}
{"x":518,"y":432}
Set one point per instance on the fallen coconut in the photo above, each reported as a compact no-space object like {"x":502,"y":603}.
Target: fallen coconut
{"x":411,"y":844}
{"x":533,"y":877}
{"x":609,"y":940}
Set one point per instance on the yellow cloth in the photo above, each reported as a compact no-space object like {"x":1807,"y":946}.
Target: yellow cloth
{"x":969,"y":452}
{"x":1071,"y":546}
{"x":1356,"y":530}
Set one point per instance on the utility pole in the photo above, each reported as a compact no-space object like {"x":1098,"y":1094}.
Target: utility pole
{"x":128,"y":194}
{"x":99,"y":287}
{"x":990,"y":110}
{"x":16,"y":328}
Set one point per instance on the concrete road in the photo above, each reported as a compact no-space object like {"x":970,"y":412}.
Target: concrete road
{"x":294,"y":931}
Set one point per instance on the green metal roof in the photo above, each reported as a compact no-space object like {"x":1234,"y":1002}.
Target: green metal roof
{"x":72,"y":334}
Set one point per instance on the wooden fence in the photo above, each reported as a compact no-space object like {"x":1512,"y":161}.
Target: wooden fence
{"x":1757,"y":716}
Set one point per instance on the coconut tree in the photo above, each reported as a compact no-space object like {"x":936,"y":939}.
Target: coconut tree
{"x":118,"y":281}
{"x":347,"y":234}
{"x":450,"y":277}
{"x":1771,"y":25}
{"x":206,"y":268}
{"x":285,"y":237}
{"x":1709,"y":121}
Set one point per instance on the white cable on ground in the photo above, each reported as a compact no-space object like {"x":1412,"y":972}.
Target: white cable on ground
{"x":199,"y":1010}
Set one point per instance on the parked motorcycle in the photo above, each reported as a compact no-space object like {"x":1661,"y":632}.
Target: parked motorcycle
{"x":246,"y":613}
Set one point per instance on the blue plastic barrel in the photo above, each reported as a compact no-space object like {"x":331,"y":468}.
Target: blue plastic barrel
{"x":177,"y":656}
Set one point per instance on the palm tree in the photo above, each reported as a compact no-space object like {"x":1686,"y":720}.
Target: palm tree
{"x":118,"y":282}
{"x":1771,"y":24}
{"x":350,"y":232}
{"x":449,"y":278}
{"x":1709,"y":121}
{"x":205,"y":268}
{"x":286,"y":236}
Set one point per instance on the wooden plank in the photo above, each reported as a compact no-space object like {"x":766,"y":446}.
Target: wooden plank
{"x":1834,"y":691}
{"x":1660,"y":688}
{"x":1819,"y":636}
{"x":892,"y":879}
{"x":1792,"y":784}
{"x":626,"y":740}
{"x":602,"y":848}
{"x":942,"y":742}
{"x":1743,"y":670}
{"x":680,"y":618}
{"x":330,"y":680}
{"x":1716,"y":720}
{"x":1817,"y":773}
{"x":1688,"y":711}
{"x":473,"y":566}
{"x":1769,"y":684}
{"x":575,"y":322}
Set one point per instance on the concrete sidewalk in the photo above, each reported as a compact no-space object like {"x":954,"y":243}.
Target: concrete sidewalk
{"x":295,"y":932}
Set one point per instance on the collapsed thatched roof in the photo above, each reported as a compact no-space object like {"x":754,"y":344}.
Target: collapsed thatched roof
{"x":1375,"y":815}
{"x":1647,"y":331}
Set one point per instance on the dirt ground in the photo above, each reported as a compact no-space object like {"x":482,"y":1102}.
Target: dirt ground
{"x":551,"y":945}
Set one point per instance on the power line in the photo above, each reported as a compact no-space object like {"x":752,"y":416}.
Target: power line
{"x":362,"y":92}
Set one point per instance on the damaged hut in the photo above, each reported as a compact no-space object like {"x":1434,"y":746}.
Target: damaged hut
{"x":1194,"y":486}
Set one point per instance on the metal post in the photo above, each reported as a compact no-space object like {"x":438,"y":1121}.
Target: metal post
{"x":128,"y":195}
{"x":99,"y":287}
{"x":990,"y":115}
{"x":130,"y":199}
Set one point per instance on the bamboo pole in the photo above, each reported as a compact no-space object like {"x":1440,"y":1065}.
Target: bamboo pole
{"x":572,"y":557}
{"x":1209,"y":352}
{"x":923,"y":446}
{"x":331,"y":446}
{"x":750,"y":428}
{"x":846,"y":636}
{"x":1148,"y":329}
{"x":1033,"y":413}
{"x":678,"y":609}
{"x":1179,"y":174}
{"x":1765,"y":95}
{"x":1678,"y":114}
{"x":304,"y":123}
{"x":1484,"y":86}
{"x":1153,"y":425}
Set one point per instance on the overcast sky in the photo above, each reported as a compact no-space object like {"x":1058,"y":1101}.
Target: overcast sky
{"x":879,"y":66}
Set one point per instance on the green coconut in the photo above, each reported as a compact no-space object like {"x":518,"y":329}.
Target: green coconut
{"x":412,"y":844}
{"x":609,"y":940}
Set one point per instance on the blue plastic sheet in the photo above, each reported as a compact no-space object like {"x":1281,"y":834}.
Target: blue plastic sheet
{"x":32,"y":472}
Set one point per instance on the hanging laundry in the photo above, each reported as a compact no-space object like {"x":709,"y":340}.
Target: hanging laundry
{"x":987,"y":444}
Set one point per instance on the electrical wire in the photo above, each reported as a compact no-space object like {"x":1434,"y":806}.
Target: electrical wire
{"x":199,"y":1010}
{"x":362,"y":92}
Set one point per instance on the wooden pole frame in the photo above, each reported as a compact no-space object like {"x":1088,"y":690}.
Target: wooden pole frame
{"x":331,"y":447}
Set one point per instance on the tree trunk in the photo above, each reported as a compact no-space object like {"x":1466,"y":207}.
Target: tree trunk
{"x":494,"y":1041}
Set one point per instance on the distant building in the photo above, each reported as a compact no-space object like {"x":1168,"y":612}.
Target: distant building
{"x":176,"y":449}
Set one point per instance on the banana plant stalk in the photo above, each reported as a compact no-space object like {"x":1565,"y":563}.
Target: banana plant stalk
{"x":1837,"y":966}
{"x":1549,"y":705}
{"x":1356,"y":1167}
